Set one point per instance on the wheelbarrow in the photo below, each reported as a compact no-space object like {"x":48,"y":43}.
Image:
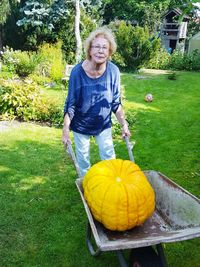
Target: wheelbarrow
{"x":176,"y":218}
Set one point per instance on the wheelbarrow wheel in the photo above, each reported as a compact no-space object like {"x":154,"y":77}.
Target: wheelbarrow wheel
{"x":144,"y":257}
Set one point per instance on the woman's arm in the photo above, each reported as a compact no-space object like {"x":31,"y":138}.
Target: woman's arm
{"x":69,"y":107}
{"x":66,"y":131}
{"x":121,"y":119}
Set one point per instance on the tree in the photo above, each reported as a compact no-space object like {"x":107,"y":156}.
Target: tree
{"x":143,"y":13}
{"x":40,"y":20}
{"x":4,"y":11}
{"x":139,"y":46}
{"x":90,"y":7}
{"x":32,"y":22}
{"x":77,"y":31}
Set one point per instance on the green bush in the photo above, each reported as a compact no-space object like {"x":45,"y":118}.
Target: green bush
{"x":175,"y":61}
{"x":8,"y":59}
{"x":20,"y":99}
{"x":160,"y":60}
{"x":24,"y":100}
{"x":51,"y":61}
{"x":22,"y":63}
{"x":135,"y":46}
{"x":40,"y":79}
{"x":50,"y":112}
{"x":118,"y":59}
{"x":189,"y":62}
{"x":25,"y":63}
{"x":47,"y":62}
{"x":172,"y":76}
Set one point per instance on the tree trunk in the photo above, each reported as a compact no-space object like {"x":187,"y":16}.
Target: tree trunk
{"x":77,"y":32}
{"x":1,"y":38}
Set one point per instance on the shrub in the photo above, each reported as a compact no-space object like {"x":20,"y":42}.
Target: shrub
{"x":39,"y":79}
{"x":172,"y":76}
{"x":47,"y":62}
{"x":24,"y":100}
{"x":8,"y":60}
{"x":50,"y":112}
{"x":160,"y":60}
{"x":51,"y":61}
{"x":134,"y":44}
{"x":118,"y":59}
{"x":175,"y":61}
{"x":20,"y":99}
{"x":25,"y":63}
{"x":180,"y":61}
{"x":22,"y":63}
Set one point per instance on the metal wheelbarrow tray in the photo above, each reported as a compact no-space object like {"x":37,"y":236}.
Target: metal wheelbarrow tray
{"x":176,"y":218}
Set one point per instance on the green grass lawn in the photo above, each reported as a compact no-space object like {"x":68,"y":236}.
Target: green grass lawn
{"x":42,"y":219}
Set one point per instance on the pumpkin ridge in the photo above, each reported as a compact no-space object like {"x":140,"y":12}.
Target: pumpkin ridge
{"x":131,"y":172}
{"x":128,"y":172}
{"x":114,"y":167}
{"x":127,"y":204}
{"x":136,"y":198}
{"x":144,"y":198}
{"x":121,"y":168}
{"x":91,"y":173}
{"x":106,"y":191}
{"x":102,"y":202}
{"x":124,"y":163}
{"x":109,"y":164}
{"x":105,"y":175}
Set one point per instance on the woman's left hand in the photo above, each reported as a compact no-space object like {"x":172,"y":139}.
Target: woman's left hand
{"x":125,"y":130}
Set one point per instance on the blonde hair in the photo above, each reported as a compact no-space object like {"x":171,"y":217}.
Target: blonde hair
{"x":107,"y":34}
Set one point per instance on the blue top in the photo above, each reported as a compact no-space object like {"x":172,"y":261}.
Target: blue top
{"x":91,"y":101}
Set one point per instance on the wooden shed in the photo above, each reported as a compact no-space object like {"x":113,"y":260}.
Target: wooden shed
{"x":173,"y":33}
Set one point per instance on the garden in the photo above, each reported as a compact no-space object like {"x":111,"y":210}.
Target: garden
{"x":43,"y":221}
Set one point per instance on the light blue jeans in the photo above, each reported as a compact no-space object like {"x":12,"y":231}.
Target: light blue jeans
{"x":82,"y":147}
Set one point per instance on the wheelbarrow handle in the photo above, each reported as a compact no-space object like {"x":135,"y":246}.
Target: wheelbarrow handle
{"x":129,"y":148}
{"x":70,"y":151}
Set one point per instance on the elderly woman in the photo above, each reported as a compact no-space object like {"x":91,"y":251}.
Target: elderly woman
{"x":94,"y":93}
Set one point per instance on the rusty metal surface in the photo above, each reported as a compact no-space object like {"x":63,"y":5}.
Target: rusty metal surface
{"x":176,"y":218}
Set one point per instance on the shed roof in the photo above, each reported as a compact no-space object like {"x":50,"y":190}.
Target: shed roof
{"x":177,"y":11}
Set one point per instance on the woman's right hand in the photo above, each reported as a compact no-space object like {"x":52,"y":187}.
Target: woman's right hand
{"x":66,"y":132}
{"x":66,"y":137}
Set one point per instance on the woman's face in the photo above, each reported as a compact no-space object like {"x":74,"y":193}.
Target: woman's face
{"x":100,"y":50}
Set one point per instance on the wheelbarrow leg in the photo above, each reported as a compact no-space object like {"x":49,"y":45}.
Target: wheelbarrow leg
{"x":147,"y":257}
{"x":161,"y":254}
{"x":121,"y":259}
{"x":93,"y":252}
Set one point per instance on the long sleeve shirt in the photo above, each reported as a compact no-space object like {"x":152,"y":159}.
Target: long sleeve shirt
{"x":91,"y":101}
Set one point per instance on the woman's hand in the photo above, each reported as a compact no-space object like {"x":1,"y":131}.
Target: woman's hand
{"x":121,"y":119}
{"x":125,"y":130}
{"x":66,"y":132}
{"x":66,"y":137}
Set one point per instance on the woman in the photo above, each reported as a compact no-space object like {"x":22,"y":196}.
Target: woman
{"x":94,"y":93}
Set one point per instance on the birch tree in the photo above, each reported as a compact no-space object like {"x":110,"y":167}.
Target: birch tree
{"x":4,"y":11}
{"x":77,"y":31}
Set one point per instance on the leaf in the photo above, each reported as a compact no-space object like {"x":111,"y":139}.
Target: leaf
{"x":20,"y":22}
{"x":37,"y":23}
{"x":28,"y":12}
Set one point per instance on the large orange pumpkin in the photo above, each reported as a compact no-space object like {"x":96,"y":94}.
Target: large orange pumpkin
{"x":118,"y":194}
